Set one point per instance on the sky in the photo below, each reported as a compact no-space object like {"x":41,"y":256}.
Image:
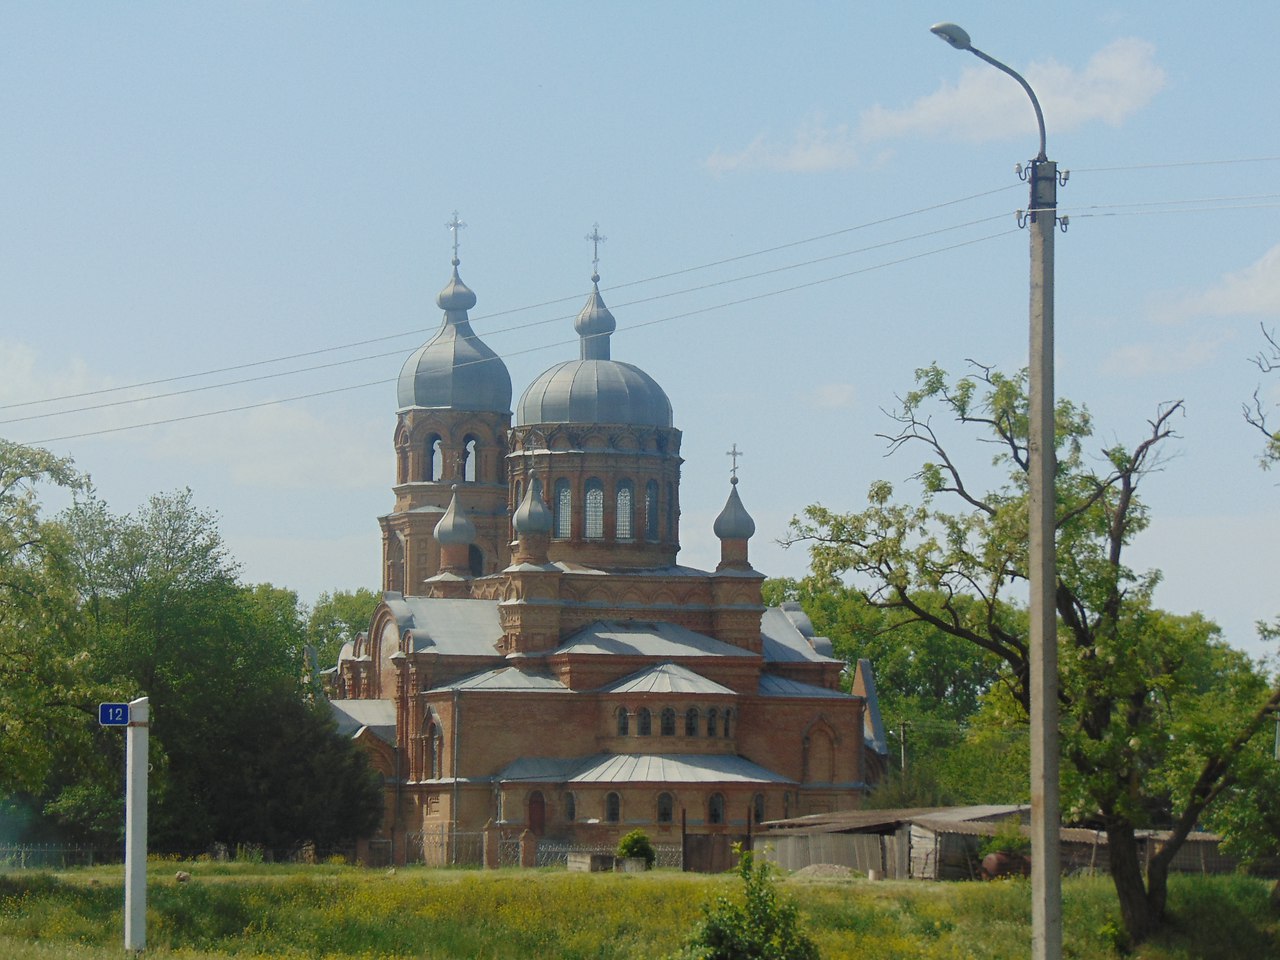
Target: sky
{"x":222,"y":231}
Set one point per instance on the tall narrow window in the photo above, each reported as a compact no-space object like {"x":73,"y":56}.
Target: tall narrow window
{"x":623,"y":522}
{"x":668,"y":728}
{"x":691,"y":722}
{"x":727,"y":715}
{"x":757,"y":807}
{"x":564,"y":509}
{"x":713,"y":717}
{"x":469,"y":460}
{"x":593,"y":511}
{"x":715,"y":808}
{"x":624,"y":722}
{"x":666,"y":808}
{"x":570,"y":807}
{"x":437,"y":742}
{"x":651,"y":510}
{"x":613,"y":808}
{"x":644,"y":722}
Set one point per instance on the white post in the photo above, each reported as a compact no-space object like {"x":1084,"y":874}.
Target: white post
{"x":135,"y":826}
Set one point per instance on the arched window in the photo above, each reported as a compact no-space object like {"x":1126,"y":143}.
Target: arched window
{"x":623,"y":521}
{"x":757,"y":807}
{"x":564,"y":509}
{"x":469,"y":465}
{"x":570,"y":807}
{"x":475,"y":560}
{"x":713,"y":717}
{"x":593,"y":510}
{"x":666,"y":808}
{"x":651,"y":510}
{"x":691,"y":722}
{"x":434,"y":770}
{"x":434,"y":459}
{"x":715,"y":808}
{"x":668,"y":727}
{"x":644,"y":722}
{"x":613,"y":808}
{"x":624,"y":722}
{"x":727,"y":715}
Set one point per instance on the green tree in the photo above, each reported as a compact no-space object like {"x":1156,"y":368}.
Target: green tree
{"x":240,"y":753}
{"x":1130,"y":675}
{"x":45,"y":691}
{"x":338,"y":618}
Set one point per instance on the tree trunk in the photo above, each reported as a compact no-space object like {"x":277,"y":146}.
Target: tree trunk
{"x":1140,"y":911}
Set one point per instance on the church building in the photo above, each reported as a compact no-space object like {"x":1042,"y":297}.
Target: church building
{"x":539,"y":658}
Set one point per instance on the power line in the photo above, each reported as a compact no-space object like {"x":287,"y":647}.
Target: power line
{"x":649,"y":323}
{"x":1173,"y":164}
{"x":520,"y":309}
{"x":493,"y":333}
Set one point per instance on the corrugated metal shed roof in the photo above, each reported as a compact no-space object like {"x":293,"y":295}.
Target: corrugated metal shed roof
{"x":508,"y":678}
{"x":646,"y":638}
{"x":666,"y":678}
{"x":642,"y":768}
{"x":774,"y":686}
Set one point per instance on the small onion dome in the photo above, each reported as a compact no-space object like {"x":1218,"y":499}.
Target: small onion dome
{"x":455,"y":527}
{"x":594,"y":324}
{"x":734,"y":523}
{"x":455,"y":369}
{"x":532,"y":516}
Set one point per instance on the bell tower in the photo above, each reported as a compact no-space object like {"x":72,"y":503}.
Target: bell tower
{"x":454,"y":396}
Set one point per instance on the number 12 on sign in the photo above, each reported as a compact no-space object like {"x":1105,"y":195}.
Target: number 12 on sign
{"x":113,"y":714}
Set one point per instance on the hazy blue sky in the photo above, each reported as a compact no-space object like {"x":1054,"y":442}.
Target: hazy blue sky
{"x":801,"y":207}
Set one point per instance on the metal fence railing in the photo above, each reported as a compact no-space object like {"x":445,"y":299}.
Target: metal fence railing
{"x":50,"y":856}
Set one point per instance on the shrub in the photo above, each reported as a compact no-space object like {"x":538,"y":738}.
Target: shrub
{"x":636,"y":844}
{"x":762,"y":927}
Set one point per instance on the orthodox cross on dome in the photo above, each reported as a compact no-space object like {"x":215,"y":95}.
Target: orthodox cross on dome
{"x":454,"y":226}
{"x":735,"y":453}
{"x":596,"y":240}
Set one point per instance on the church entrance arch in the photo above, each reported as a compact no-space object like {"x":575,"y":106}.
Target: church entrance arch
{"x":537,"y":813}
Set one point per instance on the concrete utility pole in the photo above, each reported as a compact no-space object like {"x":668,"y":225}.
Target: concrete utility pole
{"x":1046,"y":874}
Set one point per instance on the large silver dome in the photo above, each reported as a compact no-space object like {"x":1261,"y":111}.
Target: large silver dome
{"x":455,"y":369}
{"x":594,"y":391}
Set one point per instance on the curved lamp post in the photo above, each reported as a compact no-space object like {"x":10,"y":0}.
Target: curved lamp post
{"x":1046,"y":879}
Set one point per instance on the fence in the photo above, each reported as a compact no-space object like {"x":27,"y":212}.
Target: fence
{"x":442,"y":848}
{"x":46,"y":856}
{"x":555,"y":854}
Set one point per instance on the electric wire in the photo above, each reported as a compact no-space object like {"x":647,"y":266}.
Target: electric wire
{"x":523,"y":308}
{"x":493,"y":333}
{"x":636,"y":326}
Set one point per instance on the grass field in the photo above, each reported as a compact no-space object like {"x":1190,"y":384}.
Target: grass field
{"x":254,"y":910}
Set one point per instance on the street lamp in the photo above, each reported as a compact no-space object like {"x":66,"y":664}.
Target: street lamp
{"x":1046,"y":879}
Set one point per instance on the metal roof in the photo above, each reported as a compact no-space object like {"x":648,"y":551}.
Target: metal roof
{"x":457,"y":627}
{"x":508,"y":678}
{"x":788,"y":637}
{"x":775,"y":686}
{"x":646,"y":638}
{"x":667,"y":678}
{"x":352,"y":716}
{"x":642,"y":768}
